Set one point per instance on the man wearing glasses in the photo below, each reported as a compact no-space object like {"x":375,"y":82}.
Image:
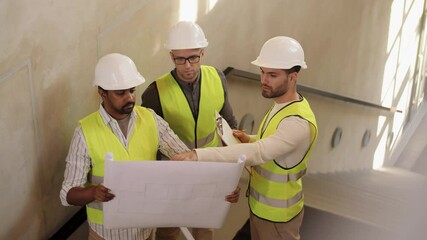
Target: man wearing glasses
{"x":187,"y":98}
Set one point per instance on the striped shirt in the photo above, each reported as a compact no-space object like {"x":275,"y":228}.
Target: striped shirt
{"x":78,"y":164}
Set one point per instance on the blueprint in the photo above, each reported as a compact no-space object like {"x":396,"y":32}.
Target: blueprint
{"x":169,"y":193}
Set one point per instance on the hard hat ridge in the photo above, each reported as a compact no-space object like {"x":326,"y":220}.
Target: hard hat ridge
{"x":115,"y":71}
{"x":281,"y":53}
{"x":186,"y":35}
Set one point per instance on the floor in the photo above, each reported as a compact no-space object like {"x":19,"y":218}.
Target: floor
{"x":321,"y":225}
{"x":389,"y":200}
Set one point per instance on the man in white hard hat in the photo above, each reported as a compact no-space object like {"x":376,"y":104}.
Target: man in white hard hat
{"x":279,"y":153}
{"x":130,"y":132}
{"x":187,"y":98}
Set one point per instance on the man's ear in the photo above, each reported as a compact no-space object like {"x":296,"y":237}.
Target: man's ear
{"x":294,"y":76}
{"x":102,"y":92}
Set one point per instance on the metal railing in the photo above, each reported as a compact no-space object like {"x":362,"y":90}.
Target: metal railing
{"x":255,"y":77}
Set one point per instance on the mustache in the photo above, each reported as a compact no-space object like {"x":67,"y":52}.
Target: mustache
{"x":129,"y":104}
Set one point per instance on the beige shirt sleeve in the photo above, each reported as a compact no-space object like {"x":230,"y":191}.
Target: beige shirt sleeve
{"x":287,"y":146}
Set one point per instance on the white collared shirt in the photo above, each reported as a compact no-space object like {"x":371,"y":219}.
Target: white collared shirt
{"x":78,"y":164}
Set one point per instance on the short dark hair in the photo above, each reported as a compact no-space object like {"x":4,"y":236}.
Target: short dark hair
{"x":293,"y":69}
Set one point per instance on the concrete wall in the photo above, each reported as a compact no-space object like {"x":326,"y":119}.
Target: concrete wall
{"x":48,"y":51}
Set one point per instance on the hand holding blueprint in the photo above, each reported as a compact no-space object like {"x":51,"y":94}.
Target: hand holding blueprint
{"x":168,"y":193}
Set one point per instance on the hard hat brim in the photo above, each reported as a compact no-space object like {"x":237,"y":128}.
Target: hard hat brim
{"x":287,"y":65}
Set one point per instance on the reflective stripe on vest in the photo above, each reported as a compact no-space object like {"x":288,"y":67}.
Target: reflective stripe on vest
{"x":275,"y":192}
{"x":143,"y":145}
{"x":176,"y":109}
{"x":274,"y":202}
{"x":279,"y":177}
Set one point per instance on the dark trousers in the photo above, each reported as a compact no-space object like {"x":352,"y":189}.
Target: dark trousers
{"x":244,"y":233}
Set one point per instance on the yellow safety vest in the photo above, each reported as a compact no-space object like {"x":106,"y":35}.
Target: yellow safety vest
{"x":143,"y":145}
{"x":176,"y":110}
{"x":275,"y":193}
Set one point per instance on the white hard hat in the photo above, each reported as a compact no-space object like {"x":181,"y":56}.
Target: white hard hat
{"x":186,"y":35}
{"x":115,"y":71}
{"x":281,"y":53}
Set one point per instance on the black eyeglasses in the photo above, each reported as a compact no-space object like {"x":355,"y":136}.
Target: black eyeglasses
{"x":190,"y":59}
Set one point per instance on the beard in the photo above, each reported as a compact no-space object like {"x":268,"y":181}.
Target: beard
{"x":127,"y":109}
{"x":269,"y":92}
